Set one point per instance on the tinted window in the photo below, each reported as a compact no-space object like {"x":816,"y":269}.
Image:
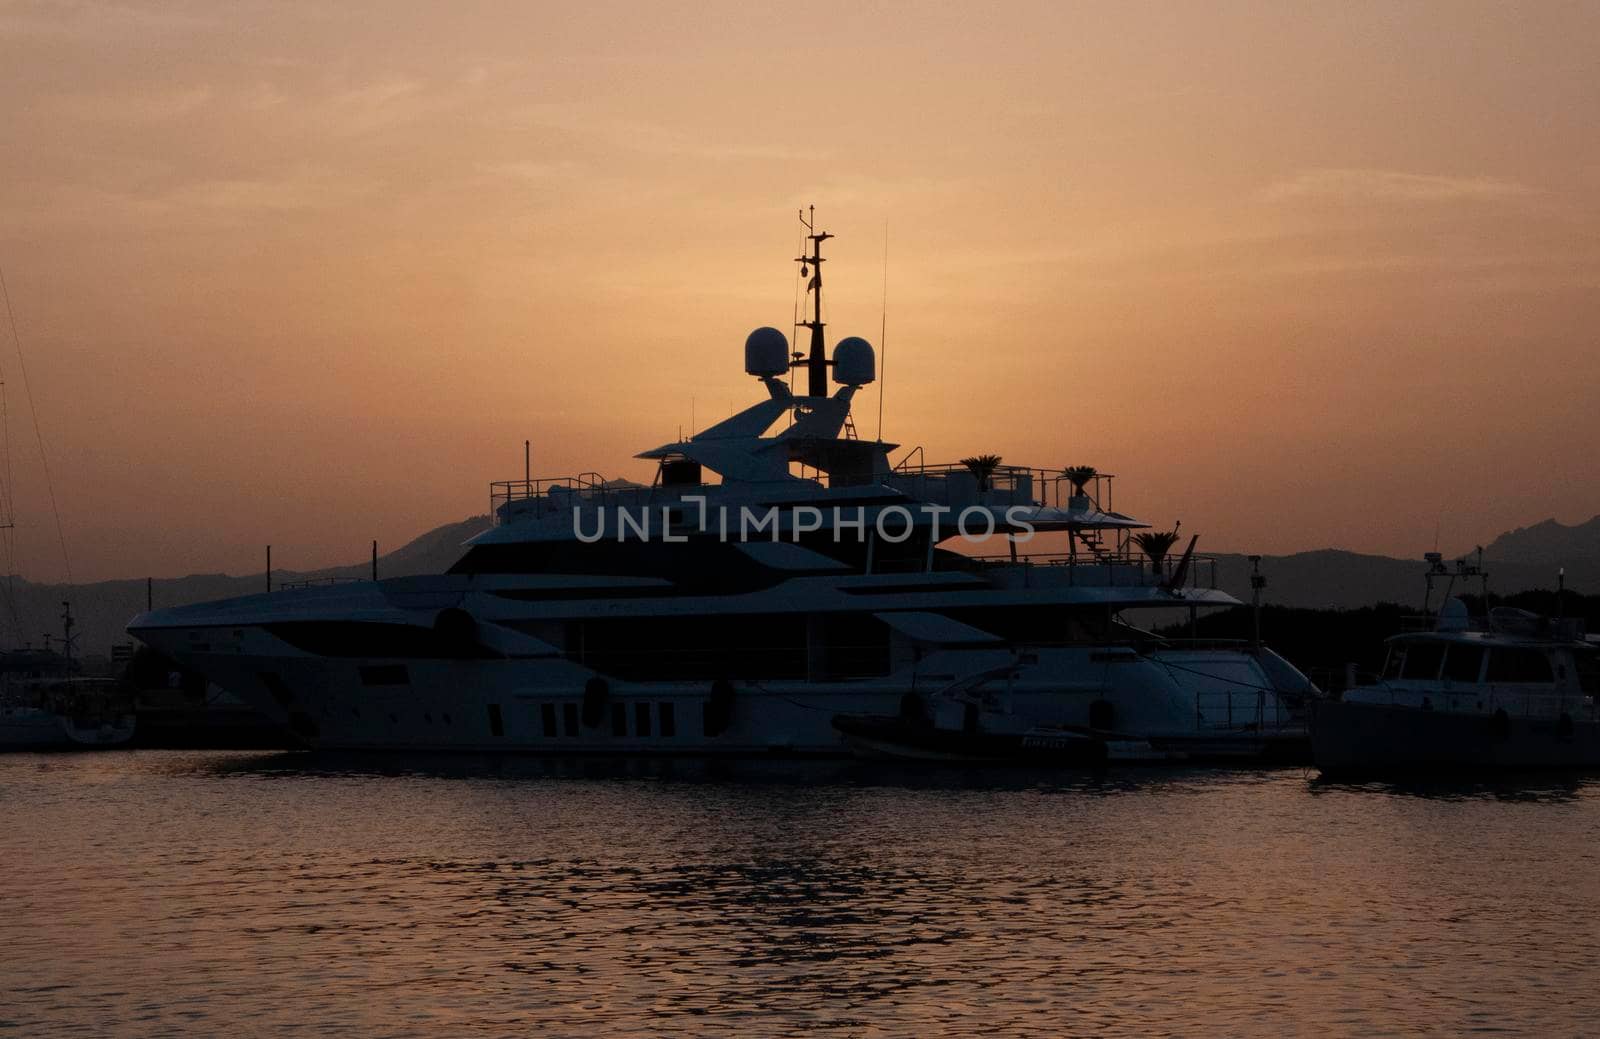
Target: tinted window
{"x":619,"y":720}
{"x":1397,"y":656}
{"x":641,"y":719}
{"x":1422,"y":660}
{"x":733,"y":645}
{"x":669,"y":720}
{"x":569,"y":717}
{"x":1463,"y":663}
{"x":547,"y":718}
{"x":1519,"y":665}
{"x":1589,"y":673}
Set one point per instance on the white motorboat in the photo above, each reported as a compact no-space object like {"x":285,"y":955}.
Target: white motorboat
{"x":1508,"y":690}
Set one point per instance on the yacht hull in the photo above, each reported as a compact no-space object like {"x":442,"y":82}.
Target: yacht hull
{"x":899,"y":738}
{"x":556,"y":705}
{"x":1351,"y":738}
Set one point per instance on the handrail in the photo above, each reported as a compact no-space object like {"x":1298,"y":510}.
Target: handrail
{"x":311,"y":582}
{"x":1123,"y":556}
{"x":904,"y":466}
{"x":1036,"y":485}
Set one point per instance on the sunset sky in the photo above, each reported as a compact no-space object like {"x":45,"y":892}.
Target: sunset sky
{"x":1302,"y":275}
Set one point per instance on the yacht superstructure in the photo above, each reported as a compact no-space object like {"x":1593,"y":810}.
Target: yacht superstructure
{"x":777,"y":572}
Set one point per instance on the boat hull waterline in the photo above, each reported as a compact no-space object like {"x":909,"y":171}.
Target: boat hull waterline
{"x":1357,"y":738}
{"x":1067,"y":747}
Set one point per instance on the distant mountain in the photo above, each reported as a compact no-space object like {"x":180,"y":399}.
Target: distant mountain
{"x":1521,"y":559}
{"x":1549,"y":544}
{"x":1334,"y":579}
{"x":104,"y":608}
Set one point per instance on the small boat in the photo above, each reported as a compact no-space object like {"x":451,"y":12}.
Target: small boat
{"x":66,"y":714}
{"x":1511,"y":690}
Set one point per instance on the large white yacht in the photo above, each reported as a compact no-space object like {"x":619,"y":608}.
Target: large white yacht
{"x":778,"y":572}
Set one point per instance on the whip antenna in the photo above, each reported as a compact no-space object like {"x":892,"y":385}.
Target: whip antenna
{"x":883,"y":331}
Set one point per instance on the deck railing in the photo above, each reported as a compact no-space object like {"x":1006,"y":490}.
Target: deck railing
{"x":542,"y":496}
{"x":1242,"y":710}
{"x":1118,"y":566}
{"x":1007,"y":484}
{"x":950,"y":484}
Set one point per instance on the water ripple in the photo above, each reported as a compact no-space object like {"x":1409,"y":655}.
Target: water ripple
{"x":197,"y":894}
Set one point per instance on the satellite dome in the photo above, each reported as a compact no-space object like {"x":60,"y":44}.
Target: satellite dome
{"x":854,"y":363}
{"x":766,"y":353}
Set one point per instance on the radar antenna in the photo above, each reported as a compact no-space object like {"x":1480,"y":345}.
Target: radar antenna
{"x":817,"y":362}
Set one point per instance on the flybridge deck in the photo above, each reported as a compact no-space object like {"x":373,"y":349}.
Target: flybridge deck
{"x":953,"y":485}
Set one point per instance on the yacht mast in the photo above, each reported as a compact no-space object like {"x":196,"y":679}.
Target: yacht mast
{"x":817,"y":363}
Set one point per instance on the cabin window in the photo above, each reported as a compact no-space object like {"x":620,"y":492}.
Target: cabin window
{"x":569,"y":718}
{"x":497,"y":726}
{"x":547,"y":718}
{"x":641,"y":719}
{"x":1589,"y":673}
{"x":683,"y":648}
{"x":669,"y":720}
{"x":1519,"y":665}
{"x":619,"y":719}
{"x":849,"y":645}
{"x":1397,"y":657}
{"x":1422,"y":661}
{"x":1463,"y":663}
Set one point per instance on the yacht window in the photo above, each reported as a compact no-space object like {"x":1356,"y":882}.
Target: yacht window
{"x":1519,"y":665}
{"x":497,"y":725}
{"x":1589,"y":673}
{"x":1397,"y":656}
{"x":1463,"y":663}
{"x":547,"y":718}
{"x":669,"y":720}
{"x":641,"y":719}
{"x":1422,"y":661}
{"x":619,"y":720}
{"x":569,"y":718}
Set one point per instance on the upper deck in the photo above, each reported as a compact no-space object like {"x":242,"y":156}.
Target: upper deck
{"x":952,"y":486}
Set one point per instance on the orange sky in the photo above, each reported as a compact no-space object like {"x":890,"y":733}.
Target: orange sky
{"x":308,"y":274}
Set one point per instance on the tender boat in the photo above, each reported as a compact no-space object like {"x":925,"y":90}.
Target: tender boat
{"x":65,"y":714}
{"x":1510,"y":690}
{"x":780,"y":576}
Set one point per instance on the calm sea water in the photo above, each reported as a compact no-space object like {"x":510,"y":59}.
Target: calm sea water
{"x":157,"y":893}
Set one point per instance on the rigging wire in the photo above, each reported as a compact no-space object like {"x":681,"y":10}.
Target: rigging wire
{"x":44,"y":459}
{"x":8,"y":513}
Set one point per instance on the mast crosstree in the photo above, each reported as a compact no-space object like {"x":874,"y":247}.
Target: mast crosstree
{"x":817,"y":362}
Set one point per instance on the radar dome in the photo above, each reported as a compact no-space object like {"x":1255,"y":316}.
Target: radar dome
{"x":854,"y":363}
{"x":766,"y":353}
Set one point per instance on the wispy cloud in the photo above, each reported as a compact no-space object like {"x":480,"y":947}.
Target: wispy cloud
{"x":123,"y":107}
{"x":532,"y":169}
{"x":1393,"y":185}
{"x":89,"y":20}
